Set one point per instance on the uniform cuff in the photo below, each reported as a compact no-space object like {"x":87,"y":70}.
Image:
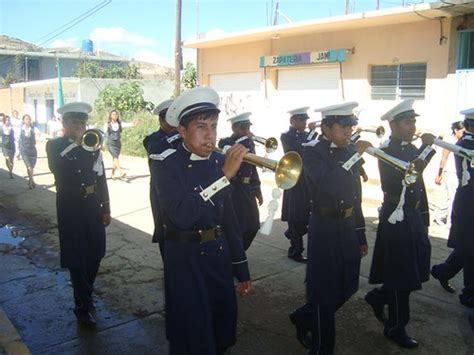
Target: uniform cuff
{"x":240,"y":269}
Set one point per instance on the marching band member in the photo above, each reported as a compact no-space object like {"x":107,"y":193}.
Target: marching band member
{"x":246,"y":184}
{"x":336,"y":237}
{"x":165,"y":138}
{"x":401,"y":258}
{"x":203,"y":249}
{"x":295,"y":208}
{"x":83,"y":209}
{"x":460,"y":235}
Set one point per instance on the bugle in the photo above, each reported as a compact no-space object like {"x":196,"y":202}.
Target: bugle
{"x":455,"y":149}
{"x":287,"y":169}
{"x":92,"y":139}
{"x":270,"y":144}
{"x":412,"y":170}
{"x":379,"y":131}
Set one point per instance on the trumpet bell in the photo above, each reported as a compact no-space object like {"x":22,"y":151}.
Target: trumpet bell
{"x":92,"y":140}
{"x":271,"y":145}
{"x":415,"y":169}
{"x":288,"y":170}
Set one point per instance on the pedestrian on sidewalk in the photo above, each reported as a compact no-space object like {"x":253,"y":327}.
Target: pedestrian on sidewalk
{"x":461,"y":238}
{"x":27,"y":144}
{"x":113,"y":130}
{"x":82,"y":204}
{"x":447,"y":176}
{"x":402,"y":251}
{"x":8,"y":144}
{"x":202,"y":250}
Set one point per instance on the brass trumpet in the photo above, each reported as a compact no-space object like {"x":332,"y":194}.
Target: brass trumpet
{"x":455,"y":149}
{"x":412,"y":170}
{"x":270,"y":144}
{"x":92,"y":139}
{"x":287,"y":169}
{"x":379,"y":131}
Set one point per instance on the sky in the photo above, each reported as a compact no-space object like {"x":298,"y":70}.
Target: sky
{"x":145,"y":29}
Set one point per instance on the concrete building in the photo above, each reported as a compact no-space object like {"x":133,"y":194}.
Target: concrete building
{"x":39,"y":98}
{"x":423,"y":51}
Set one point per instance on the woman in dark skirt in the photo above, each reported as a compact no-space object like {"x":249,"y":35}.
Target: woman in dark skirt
{"x":27,"y":144}
{"x":114,"y":142}
{"x":8,"y":144}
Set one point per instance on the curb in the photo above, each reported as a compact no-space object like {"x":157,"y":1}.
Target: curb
{"x":10,"y":340}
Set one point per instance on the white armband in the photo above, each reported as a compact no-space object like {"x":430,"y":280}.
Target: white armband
{"x":214,"y":188}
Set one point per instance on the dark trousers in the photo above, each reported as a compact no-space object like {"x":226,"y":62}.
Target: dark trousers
{"x":324,"y":329}
{"x":82,"y":280}
{"x":453,"y":264}
{"x":295,"y":232}
{"x":398,"y":308}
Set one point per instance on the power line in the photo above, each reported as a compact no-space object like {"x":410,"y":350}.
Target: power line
{"x":75,"y":21}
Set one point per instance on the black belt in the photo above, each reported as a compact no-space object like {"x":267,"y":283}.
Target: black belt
{"x":342,"y":213}
{"x":199,"y":236}
{"x":83,"y":191}
{"x":393,"y":199}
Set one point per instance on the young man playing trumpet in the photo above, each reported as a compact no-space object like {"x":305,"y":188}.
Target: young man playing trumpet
{"x":401,"y":258}
{"x":336,"y":236}
{"x":83,"y":209}
{"x":246,"y":184}
{"x":203,"y":249}
{"x":460,"y":236}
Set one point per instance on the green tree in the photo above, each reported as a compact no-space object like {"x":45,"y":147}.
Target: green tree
{"x":189,"y":76}
{"x":9,"y":78}
{"x":127,"y":98}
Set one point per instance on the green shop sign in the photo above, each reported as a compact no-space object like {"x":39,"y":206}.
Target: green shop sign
{"x":282,"y":60}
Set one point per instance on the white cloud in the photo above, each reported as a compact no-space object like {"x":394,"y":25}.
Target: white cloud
{"x":216,"y":32}
{"x":146,"y":55}
{"x":119,"y":35}
{"x":66,"y":42}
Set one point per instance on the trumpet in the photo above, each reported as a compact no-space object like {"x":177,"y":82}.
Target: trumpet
{"x":379,"y":131}
{"x":92,"y":139}
{"x":287,"y":170}
{"x":270,"y":144}
{"x":412,"y":170}
{"x":455,"y":149}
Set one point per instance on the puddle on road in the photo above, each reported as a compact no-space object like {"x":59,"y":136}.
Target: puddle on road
{"x":9,"y":234}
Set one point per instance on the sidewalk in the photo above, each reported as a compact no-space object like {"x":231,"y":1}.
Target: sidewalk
{"x":35,"y":295}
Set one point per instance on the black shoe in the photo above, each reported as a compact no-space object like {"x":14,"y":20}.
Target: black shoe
{"x":303,"y":335}
{"x":444,"y":283}
{"x":377,"y":308}
{"x":466,"y":300}
{"x":85,"y":317}
{"x":402,"y":339}
{"x":299,"y":258}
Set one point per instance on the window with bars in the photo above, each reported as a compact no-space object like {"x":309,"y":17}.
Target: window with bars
{"x":466,"y":50}
{"x":401,"y":81}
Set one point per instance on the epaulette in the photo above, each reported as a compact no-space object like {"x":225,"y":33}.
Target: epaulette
{"x":173,"y":138}
{"x":241,"y":139}
{"x":311,"y":143}
{"x":162,"y":156}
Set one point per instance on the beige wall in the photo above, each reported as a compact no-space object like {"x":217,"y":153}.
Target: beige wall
{"x":12,"y":99}
{"x":404,"y":43}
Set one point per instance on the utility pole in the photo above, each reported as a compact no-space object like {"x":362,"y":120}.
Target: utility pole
{"x":347,"y":7}
{"x":178,"y":62}
{"x":378,"y":5}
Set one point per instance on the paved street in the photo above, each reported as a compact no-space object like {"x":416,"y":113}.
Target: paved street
{"x":37,"y":298}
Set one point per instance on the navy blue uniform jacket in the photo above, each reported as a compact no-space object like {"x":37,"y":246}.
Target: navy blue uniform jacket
{"x":80,"y":224}
{"x":333,"y":244}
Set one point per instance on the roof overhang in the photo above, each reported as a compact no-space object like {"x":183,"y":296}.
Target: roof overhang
{"x":393,"y":16}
